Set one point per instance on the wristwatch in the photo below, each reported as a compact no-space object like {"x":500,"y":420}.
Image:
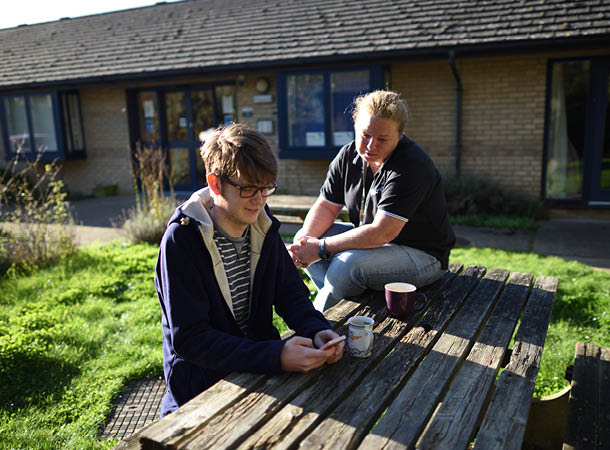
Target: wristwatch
{"x":322,"y":252}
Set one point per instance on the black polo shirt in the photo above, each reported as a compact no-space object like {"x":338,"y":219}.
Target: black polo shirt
{"x":408,"y":186}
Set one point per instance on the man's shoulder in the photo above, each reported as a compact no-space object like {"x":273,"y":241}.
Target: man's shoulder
{"x":180,"y":230}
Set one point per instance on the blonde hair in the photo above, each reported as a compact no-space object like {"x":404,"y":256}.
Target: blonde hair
{"x":237,"y":151}
{"x":383,"y":105}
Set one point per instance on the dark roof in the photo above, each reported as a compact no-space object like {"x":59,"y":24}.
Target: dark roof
{"x":204,"y":35}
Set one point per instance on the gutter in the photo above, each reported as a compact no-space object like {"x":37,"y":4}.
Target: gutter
{"x":458,"y":113}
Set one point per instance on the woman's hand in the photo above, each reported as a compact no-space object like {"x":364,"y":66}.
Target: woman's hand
{"x":304,"y":251}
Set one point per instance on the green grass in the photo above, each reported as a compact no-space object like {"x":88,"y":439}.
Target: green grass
{"x":73,"y":335}
{"x":581,"y":311}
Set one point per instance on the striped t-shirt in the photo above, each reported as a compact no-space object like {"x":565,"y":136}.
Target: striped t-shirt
{"x":235,"y":254}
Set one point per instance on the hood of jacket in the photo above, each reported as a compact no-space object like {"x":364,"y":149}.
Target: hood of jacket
{"x":197,"y":208}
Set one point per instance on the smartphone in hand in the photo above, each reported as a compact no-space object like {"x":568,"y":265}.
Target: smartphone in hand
{"x":332,"y":342}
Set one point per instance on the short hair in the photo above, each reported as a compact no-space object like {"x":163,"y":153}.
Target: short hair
{"x":383,"y":105}
{"x":240,"y":152}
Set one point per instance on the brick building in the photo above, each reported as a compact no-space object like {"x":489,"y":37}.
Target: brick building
{"x":516,"y":91}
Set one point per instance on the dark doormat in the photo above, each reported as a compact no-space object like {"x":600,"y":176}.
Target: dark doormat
{"x":137,"y":406}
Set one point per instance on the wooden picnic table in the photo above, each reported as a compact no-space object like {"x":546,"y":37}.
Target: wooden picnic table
{"x":432,"y":380}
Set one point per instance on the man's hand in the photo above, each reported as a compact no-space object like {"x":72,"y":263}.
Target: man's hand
{"x":336,"y":351}
{"x":299,"y":355}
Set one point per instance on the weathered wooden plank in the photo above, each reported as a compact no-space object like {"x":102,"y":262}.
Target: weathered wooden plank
{"x":582,"y":406}
{"x":409,"y":412}
{"x":345,"y":427}
{"x":588,"y":425}
{"x":454,"y":423}
{"x":169,"y":431}
{"x":258,"y":406}
{"x":297,"y":418}
{"x":603,"y":429}
{"x":180,"y":427}
{"x":504,"y":424}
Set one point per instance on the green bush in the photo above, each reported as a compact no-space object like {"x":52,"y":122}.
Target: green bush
{"x":469,"y":195}
{"x":38,"y":218}
{"x":146,"y":221}
{"x":146,"y":224}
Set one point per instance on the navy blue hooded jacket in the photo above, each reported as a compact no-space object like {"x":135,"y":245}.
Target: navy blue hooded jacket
{"x":201,"y":339}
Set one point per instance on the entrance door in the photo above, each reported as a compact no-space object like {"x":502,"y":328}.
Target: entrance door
{"x":578,"y":145}
{"x":184,"y":109}
{"x":599,"y":144}
{"x":173,"y":119}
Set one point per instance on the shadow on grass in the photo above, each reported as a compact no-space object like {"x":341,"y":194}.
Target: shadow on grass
{"x":27,"y":380}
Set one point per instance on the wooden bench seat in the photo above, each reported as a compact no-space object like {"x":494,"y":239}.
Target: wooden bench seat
{"x":588,"y":424}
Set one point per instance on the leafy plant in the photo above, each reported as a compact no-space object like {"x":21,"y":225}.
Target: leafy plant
{"x":469,"y":195}
{"x":146,"y":221}
{"x":33,"y":204}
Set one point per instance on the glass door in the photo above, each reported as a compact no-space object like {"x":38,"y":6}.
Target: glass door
{"x":177,"y":120}
{"x":599,"y":142}
{"x":578,"y":144}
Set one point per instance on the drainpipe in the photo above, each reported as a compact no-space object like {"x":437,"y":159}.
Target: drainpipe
{"x":458,"y":113}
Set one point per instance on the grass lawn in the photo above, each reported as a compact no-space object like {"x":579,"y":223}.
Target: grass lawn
{"x":73,"y":334}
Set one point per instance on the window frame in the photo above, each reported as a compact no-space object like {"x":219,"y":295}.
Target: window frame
{"x":590,"y":194}
{"x":62,"y":152}
{"x":329,"y":150}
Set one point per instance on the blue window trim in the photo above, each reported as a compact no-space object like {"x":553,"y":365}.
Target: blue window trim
{"x":58,"y":154}
{"x":329,"y":151}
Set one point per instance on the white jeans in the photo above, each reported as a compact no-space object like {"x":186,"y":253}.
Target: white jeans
{"x":351,"y":272}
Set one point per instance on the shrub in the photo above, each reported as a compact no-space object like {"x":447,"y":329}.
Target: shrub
{"x":468,"y":195}
{"x":148,"y":225}
{"x":40,"y":224}
{"x":146,"y":221}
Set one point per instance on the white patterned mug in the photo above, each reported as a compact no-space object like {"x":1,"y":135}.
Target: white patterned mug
{"x":360,"y":336}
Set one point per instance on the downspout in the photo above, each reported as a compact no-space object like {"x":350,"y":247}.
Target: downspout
{"x":458,"y":113}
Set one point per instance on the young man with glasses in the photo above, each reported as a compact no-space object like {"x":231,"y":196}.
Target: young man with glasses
{"x":221,"y":271}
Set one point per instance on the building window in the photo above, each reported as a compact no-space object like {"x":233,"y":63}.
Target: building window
{"x":315,"y":116}
{"x":43,"y":125}
{"x":73,"y":124}
{"x":566,"y":134}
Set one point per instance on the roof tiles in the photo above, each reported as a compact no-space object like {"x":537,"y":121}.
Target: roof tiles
{"x":211,"y":34}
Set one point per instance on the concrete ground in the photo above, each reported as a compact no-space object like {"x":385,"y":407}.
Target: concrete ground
{"x":586,"y":241}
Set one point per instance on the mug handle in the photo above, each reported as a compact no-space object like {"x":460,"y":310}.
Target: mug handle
{"x":420,"y":303}
{"x":370,"y":337}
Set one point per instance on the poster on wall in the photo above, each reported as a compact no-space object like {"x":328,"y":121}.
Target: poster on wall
{"x":314,"y":139}
{"x":149,"y":108}
{"x":343,"y":137}
{"x":227,"y":104}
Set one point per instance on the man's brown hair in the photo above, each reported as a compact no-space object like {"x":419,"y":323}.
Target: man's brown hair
{"x":383,"y":105}
{"x":237,"y":151}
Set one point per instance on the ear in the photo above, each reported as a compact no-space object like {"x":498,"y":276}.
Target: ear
{"x":214,"y":183}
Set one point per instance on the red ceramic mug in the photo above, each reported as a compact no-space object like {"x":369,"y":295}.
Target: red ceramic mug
{"x":403,"y":299}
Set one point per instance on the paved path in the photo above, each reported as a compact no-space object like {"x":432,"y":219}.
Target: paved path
{"x":587,"y":241}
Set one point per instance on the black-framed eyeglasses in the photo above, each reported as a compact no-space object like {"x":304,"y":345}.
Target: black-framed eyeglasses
{"x":251,"y":191}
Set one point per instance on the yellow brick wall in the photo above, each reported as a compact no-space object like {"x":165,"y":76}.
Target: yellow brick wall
{"x":104,"y":113}
{"x":503,"y":107}
{"x":502,"y":116}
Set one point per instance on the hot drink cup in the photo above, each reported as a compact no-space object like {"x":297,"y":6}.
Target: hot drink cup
{"x":402,"y":299}
{"x":360,"y":336}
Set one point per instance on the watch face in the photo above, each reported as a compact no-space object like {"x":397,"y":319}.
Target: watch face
{"x":262,"y":85}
